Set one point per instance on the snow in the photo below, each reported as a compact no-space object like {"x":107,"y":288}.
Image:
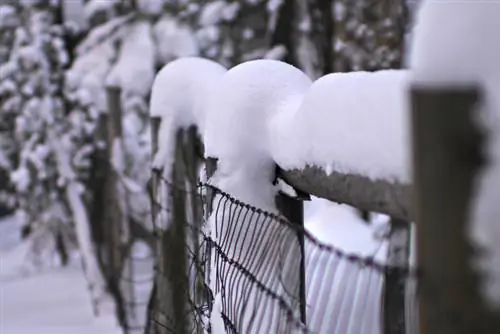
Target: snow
{"x":98,"y":35}
{"x":21,"y":178}
{"x":278,"y":52}
{"x":178,"y":97}
{"x":238,"y":121}
{"x":8,"y":17}
{"x":243,"y":108}
{"x":54,"y":300}
{"x":94,"y":6}
{"x":455,"y":44}
{"x":353,"y":123}
{"x":93,"y":272}
{"x":237,"y":110}
{"x":89,"y":71}
{"x":212,"y":13}
{"x":216,"y":321}
{"x":230,"y":12}
{"x":341,"y":226}
{"x":134,"y":71}
{"x":245,"y":99}
{"x":174,"y":39}
{"x":136,"y":285}
{"x":74,"y":13}
{"x":151,"y":7}
{"x":274,"y":5}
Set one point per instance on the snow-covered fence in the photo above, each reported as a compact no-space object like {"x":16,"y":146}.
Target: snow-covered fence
{"x":272,"y":138}
{"x":250,"y":260}
{"x":259,"y":292}
{"x":177,"y":217}
{"x":391,"y":198}
{"x":124,"y":245}
{"x":248,"y":296}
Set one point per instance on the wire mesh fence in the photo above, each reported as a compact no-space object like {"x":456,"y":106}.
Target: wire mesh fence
{"x":214,"y":264}
{"x":249,"y":261}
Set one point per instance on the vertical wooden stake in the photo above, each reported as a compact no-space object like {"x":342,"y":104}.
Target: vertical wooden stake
{"x":153,"y":304}
{"x":395,"y":280}
{"x":293,"y":210}
{"x":115,"y":215}
{"x":98,"y":188}
{"x":176,"y":245}
{"x":447,"y":158}
{"x":155,"y":123}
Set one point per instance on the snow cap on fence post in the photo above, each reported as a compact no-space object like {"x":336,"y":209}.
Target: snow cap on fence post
{"x":349,"y":141}
{"x":178,"y":97}
{"x":237,"y":132}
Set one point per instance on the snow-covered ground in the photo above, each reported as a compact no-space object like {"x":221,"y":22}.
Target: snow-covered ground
{"x":56,"y":300}
{"x":52,"y":301}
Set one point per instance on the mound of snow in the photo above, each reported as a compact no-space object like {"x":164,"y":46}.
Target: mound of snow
{"x":237,"y":131}
{"x":179,"y":94}
{"x":353,"y":123}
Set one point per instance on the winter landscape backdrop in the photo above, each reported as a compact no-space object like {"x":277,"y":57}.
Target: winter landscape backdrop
{"x":65,"y":64}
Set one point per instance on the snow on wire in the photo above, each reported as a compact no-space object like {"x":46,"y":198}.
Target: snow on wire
{"x":250,"y":263}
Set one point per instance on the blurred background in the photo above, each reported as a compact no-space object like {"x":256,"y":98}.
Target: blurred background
{"x":59,"y":60}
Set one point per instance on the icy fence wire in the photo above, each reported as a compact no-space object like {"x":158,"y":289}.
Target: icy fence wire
{"x":250,"y":263}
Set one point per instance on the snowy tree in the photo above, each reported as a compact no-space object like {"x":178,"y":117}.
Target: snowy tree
{"x":369,"y":34}
{"x":340,"y":36}
{"x":32,"y":73}
{"x":120,"y":52}
{"x":9,"y":22}
{"x":49,"y":159}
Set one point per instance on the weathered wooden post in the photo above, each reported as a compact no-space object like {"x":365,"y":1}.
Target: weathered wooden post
{"x":155,"y":123}
{"x":169,"y":300}
{"x":115,"y":211}
{"x":293,"y":210}
{"x":396,"y":277}
{"x":175,"y":237}
{"x":447,"y":158}
{"x":98,"y":186}
{"x":153,"y":304}
{"x":210,"y":168}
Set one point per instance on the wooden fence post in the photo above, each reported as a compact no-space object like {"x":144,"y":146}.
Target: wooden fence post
{"x":116,"y":218}
{"x":98,"y":185}
{"x":293,"y":210}
{"x":153,"y":304}
{"x":395,"y":279}
{"x":155,"y":123}
{"x":210,"y":168}
{"x":447,"y":158}
{"x":175,"y":243}
{"x":169,"y":300}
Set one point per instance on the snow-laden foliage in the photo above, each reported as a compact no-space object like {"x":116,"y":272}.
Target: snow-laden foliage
{"x":50,"y":160}
{"x":9,"y":22}
{"x":369,"y":34}
{"x":29,"y":84}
